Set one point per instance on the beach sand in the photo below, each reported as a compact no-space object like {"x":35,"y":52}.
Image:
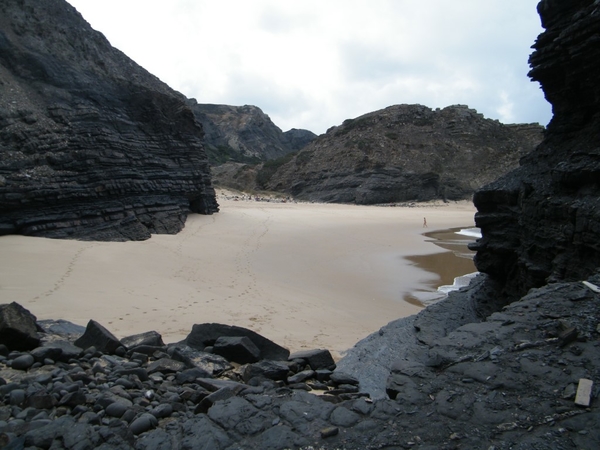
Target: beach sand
{"x":303,"y":275}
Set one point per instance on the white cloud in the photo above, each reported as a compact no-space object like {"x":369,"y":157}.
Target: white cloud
{"x":312,"y":63}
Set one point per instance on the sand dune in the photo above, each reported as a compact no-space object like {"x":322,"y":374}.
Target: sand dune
{"x":303,"y":275}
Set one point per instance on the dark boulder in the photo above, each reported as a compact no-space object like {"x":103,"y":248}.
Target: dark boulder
{"x":18,"y":329}
{"x":239,"y":349}
{"x":204,"y":335}
{"x":99,"y":337}
{"x":273,"y":370}
{"x":317,"y":359}
{"x":151,"y":338}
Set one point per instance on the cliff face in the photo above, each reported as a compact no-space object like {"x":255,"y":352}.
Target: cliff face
{"x":245,"y":133}
{"x":541,"y":222}
{"x":92,"y":146}
{"x":405,"y":153}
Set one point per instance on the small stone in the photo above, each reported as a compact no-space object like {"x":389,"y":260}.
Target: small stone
{"x":23,"y":362}
{"x":116,"y":409}
{"x":161,"y":411}
{"x":72,"y":399}
{"x":584,"y":392}
{"x":143,"y":423}
{"x":329,"y":432}
{"x":16,"y":397}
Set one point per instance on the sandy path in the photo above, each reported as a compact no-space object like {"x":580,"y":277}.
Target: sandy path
{"x":303,"y":275}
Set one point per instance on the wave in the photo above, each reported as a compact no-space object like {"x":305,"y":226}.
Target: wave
{"x":471,"y":232}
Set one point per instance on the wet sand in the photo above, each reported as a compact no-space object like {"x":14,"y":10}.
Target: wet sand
{"x":303,"y":275}
{"x":455,"y":260}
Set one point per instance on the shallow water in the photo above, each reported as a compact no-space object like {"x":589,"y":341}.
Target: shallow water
{"x":453,"y":267}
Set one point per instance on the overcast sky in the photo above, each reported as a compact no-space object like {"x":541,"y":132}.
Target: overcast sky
{"x":314,"y":63}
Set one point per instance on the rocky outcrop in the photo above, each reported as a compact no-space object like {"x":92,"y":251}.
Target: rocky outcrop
{"x":541,"y":223}
{"x":92,"y":146}
{"x":404,"y":153}
{"x":245,"y":134}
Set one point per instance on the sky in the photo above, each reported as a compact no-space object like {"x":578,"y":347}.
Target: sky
{"x":314,"y":63}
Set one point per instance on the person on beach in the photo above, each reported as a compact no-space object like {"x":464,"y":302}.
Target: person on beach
{"x":424,"y":222}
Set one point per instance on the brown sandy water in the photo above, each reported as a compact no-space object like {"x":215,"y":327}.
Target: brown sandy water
{"x":456,"y":260}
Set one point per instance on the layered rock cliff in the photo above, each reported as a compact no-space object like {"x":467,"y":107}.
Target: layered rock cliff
{"x":405,"y":153}
{"x":92,"y":146}
{"x":541,"y":223}
{"x":245,"y":134}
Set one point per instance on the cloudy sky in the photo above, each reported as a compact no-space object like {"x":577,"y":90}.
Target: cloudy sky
{"x":314,"y":63}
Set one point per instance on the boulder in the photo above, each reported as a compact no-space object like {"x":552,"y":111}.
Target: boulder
{"x":206,"y":334}
{"x":317,"y":359}
{"x":97,"y":336}
{"x":273,"y":370}
{"x":18,"y":329}
{"x":151,"y":338}
{"x":239,"y":349}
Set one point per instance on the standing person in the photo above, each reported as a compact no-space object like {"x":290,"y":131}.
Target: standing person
{"x":424,"y":222}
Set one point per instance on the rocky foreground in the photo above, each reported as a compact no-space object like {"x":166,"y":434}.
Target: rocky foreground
{"x":516,"y":379}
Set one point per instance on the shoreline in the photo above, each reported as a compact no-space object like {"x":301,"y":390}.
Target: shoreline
{"x":303,"y":275}
{"x":454,"y":265}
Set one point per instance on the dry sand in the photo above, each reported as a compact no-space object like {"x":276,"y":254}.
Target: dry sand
{"x":303,"y":275}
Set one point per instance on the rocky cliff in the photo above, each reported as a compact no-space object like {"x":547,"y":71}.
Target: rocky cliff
{"x":405,"y":153}
{"x":245,"y":134}
{"x":541,"y":222}
{"x":92,"y":146}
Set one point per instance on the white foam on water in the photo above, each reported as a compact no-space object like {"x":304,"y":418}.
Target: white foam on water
{"x":459,"y":282}
{"x":471,"y":232}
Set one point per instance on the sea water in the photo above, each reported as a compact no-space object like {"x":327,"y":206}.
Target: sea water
{"x":458,"y":249}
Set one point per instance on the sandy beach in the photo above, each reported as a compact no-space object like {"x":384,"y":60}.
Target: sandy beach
{"x":304,"y":275}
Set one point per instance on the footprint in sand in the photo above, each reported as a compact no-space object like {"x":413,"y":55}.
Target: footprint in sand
{"x":63,"y":278}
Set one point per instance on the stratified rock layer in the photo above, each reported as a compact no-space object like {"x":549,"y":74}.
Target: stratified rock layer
{"x":405,"y":153}
{"x":541,"y":223}
{"x":92,"y":146}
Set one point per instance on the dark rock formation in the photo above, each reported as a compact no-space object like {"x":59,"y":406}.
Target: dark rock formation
{"x":404,"y":153}
{"x":18,"y":329}
{"x":206,"y":334}
{"x":100,"y":338}
{"x":541,"y":223}
{"x":92,"y":146}
{"x":245,"y":134}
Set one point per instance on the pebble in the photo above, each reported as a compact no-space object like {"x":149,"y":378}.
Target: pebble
{"x":23,"y":362}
